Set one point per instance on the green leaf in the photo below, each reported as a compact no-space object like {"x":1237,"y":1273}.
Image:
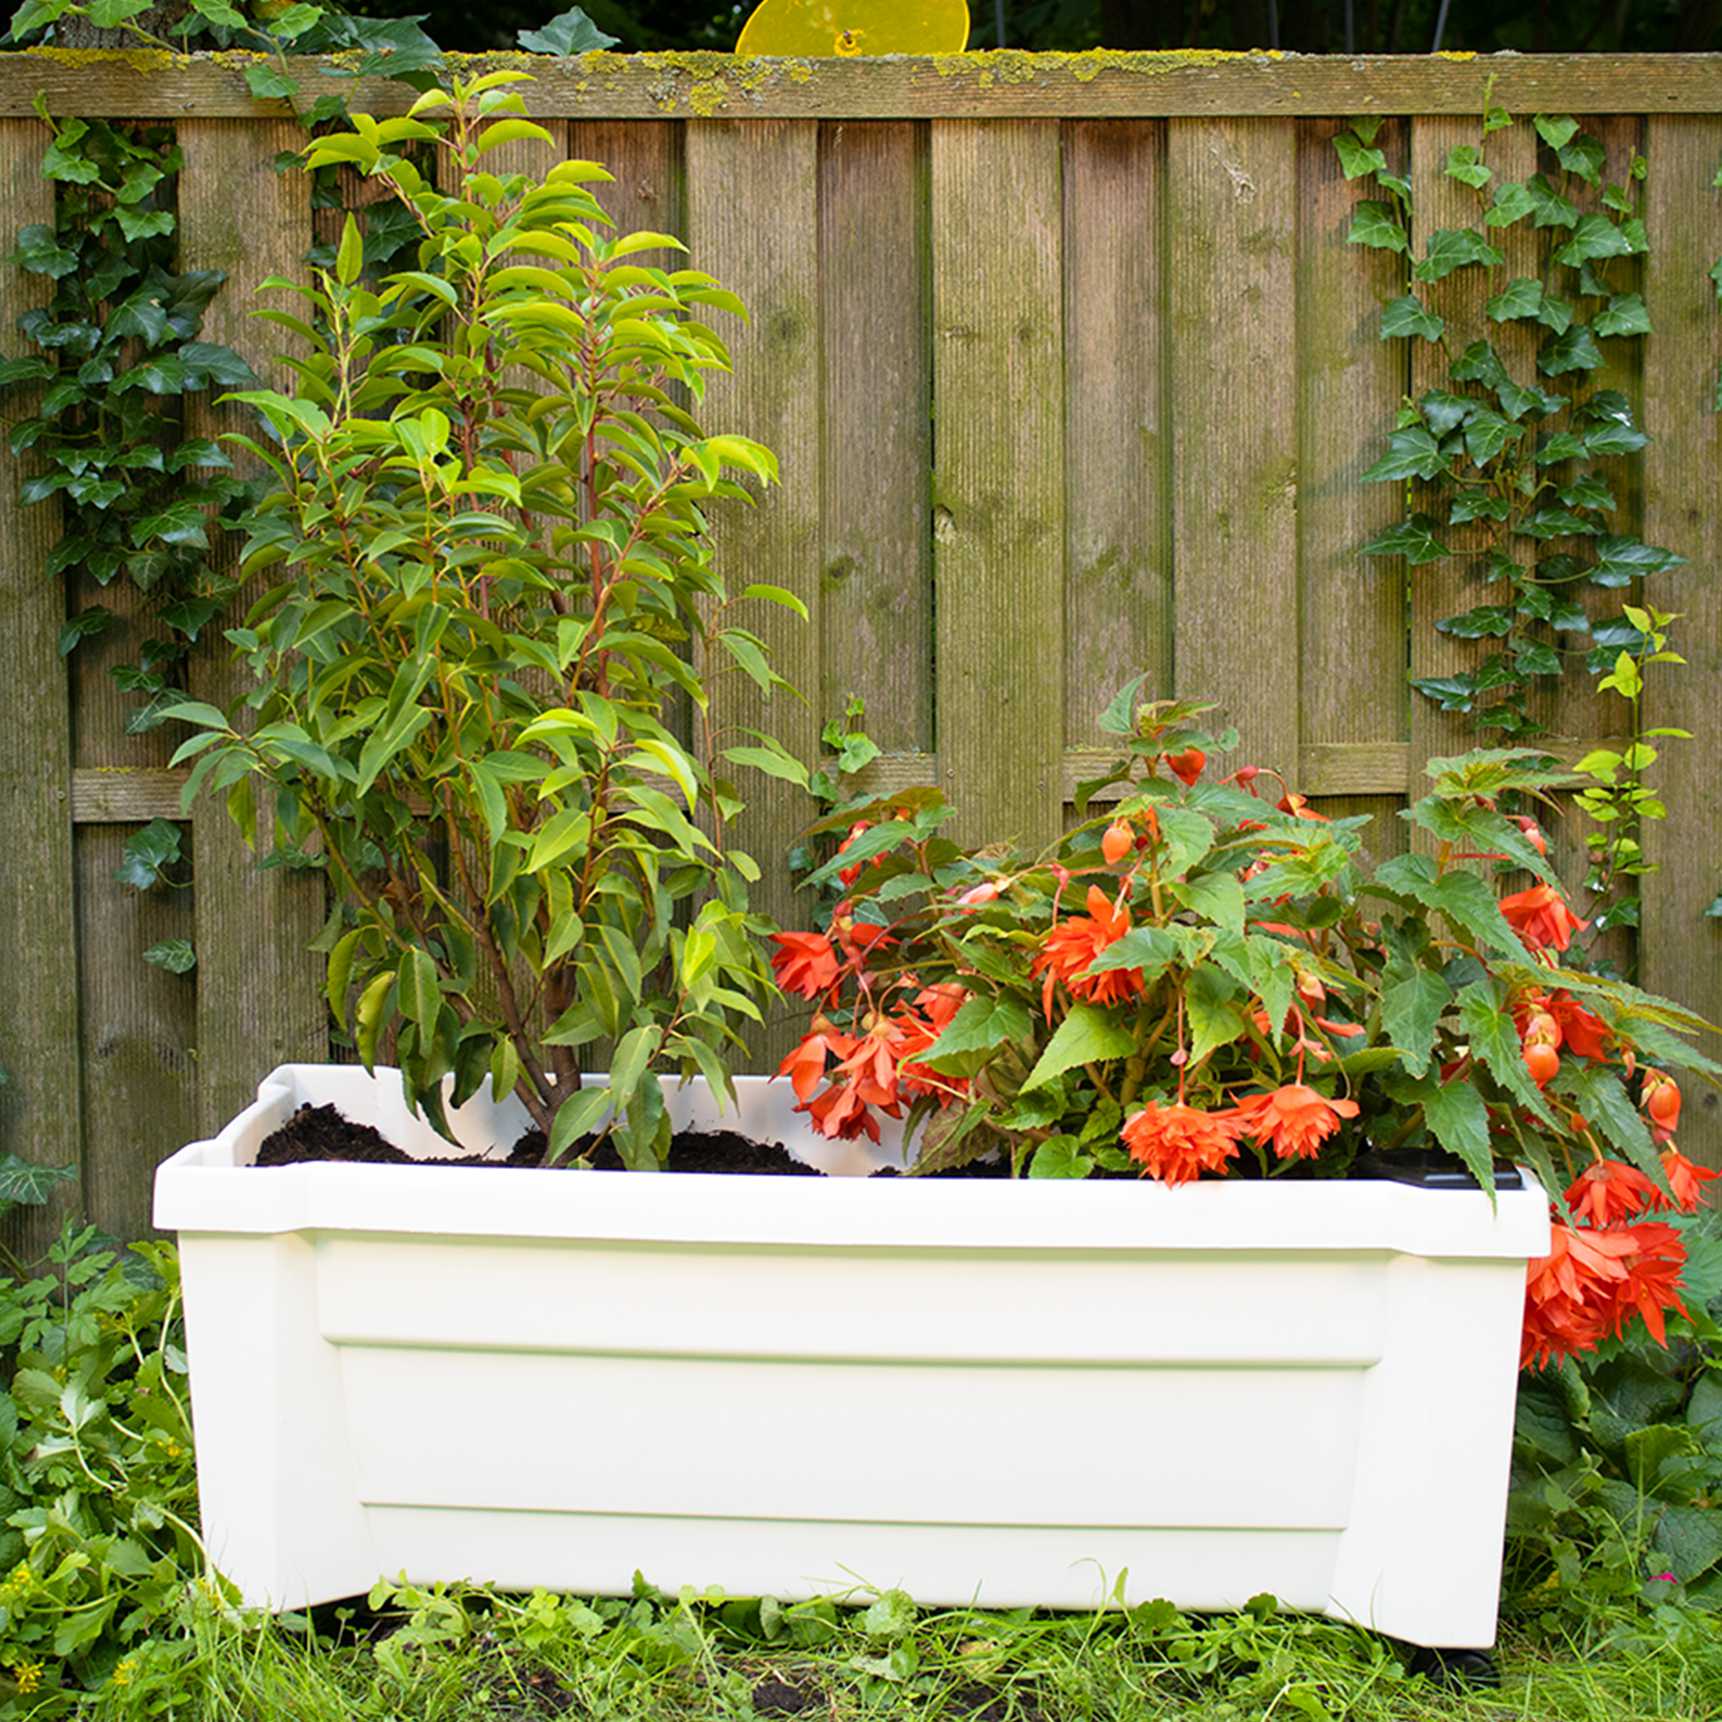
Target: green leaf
{"x":572,"y":32}
{"x":1414,"y":539}
{"x":1214,"y":1019}
{"x":1452,"y":248}
{"x":1149,"y":949}
{"x":1412,"y":1002}
{"x":421,"y":995}
{"x":1624,"y":314}
{"x":1576,"y":350}
{"x":1357,"y":159}
{"x":1595,"y":236}
{"x":1494,"y":1039}
{"x":1459,"y":1121}
{"x":1411,"y":453}
{"x":1218,"y":896}
{"x":340,"y":972}
{"x":1521,"y":297}
{"x":24,"y":1182}
{"x":1086,"y":1035}
{"x":980,"y":1025}
{"x":1466,"y":900}
{"x":578,"y":1116}
{"x":1513,"y":202}
{"x":269,"y":83}
{"x":1556,"y":130}
{"x":1607,"y":1108}
{"x":1465,"y":163}
{"x":1378,"y":225}
{"x":147,"y":855}
{"x":175,"y":955}
{"x":1403,"y":318}
{"x":1060,"y":1157}
{"x":634,"y":1053}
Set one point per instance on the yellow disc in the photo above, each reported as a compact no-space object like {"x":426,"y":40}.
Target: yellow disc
{"x":818,"y":28}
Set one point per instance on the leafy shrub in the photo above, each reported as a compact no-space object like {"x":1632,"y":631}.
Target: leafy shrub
{"x":490,"y":531}
{"x":1202,"y":977}
{"x":97,"y":1491}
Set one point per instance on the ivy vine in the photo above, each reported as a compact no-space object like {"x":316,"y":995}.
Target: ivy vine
{"x":117,"y":353}
{"x":1512,"y":458}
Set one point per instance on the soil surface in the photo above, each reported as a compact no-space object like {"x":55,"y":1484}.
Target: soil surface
{"x":322,"y":1133}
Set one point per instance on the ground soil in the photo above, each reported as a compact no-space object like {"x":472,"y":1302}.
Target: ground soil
{"x":322,"y":1133}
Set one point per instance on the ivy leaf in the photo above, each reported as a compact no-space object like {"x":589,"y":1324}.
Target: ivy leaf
{"x":1412,"y":453}
{"x":1378,"y":225}
{"x":1403,"y":318}
{"x":175,"y":955}
{"x":1444,"y":411}
{"x":148,"y":852}
{"x":207,"y":365}
{"x":1624,"y":314}
{"x":1474,"y":505}
{"x":1517,"y":400}
{"x":1595,"y":236}
{"x":1480,"y":363}
{"x":1621,"y":559}
{"x":1552,"y":210}
{"x":1356,"y":159}
{"x":574,"y":33}
{"x":1465,"y":163}
{"x":178,"y":523}
{"x":1086,"y":1035}
{"x":1414,"y":539}
{"x":1450,"y":693}
{"x":1486,"y":621}
{"x":1557,"y":523}
{"x":1555,"y":313}
{"x":1586,"y":157}
{"x":1412,"y":1001}
{"x":1556,"y":130}
{"x":1611,"y":438}
{"x":1557,"y":446}
{"x":39,"y":251}
{"x":269,"y":83}
{"x":1486,"y":435}
{"x":1576,"y":350}
{"x":1453,"y":248}
{"x":139,"y":224}
{"x":1513,"y":202}
{"x":1521,"y":297}
{"x":84,"y":625}
{"x":29,"y":1185}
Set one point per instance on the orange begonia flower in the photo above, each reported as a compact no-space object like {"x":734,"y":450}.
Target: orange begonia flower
{"x":1611,"y":1191}
{"x":1541,"y":918}
{"x":1686,"y":1180}
{"x":805,"y":1066}
{"x":804,"y":963}
{"x":1294,"y":1119}
{"x":1660,"y":1097}
{"x":1583,"y":1032}
{"x":1177,"y":1143}
{"x":1073,"y":944}
{"x":1570,"y":1293}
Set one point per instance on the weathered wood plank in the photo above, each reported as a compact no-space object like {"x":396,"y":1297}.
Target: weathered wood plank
{"x":259,"y":993}
{"x":1205,"y":83}
{"x":1232,"y":250}
{"x":646,"y":158}
{"x":1118,"y":544}
{"x":1353,"y":609}
{"x":999,"y":528}
{"x":125,"y":794}
{"x":40,"y":1104}
{"x":1681,"y":949}
{"x":753,"y":222}
{"x":876,"y":589}
{"x":1442,"y":588}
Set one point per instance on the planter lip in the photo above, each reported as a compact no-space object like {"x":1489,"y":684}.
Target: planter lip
{"x":205,"y":1188}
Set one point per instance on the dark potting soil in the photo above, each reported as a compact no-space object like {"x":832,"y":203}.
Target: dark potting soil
{"x":322,"y":1133}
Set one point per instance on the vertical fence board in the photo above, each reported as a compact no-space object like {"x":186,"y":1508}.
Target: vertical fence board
{"x":753,"y":222}
{"x":876,"y":564}
{"x":1118,"y":614}
{"x":999,"y":475}
{"x":1231,"y":244}
{"x":1441,"y":588}
{"x":40,"y":1103}
{"x":1681,"y":952}
{"x":1353,"y":608}
{"x":259,"y":998}
{"x":646,"y":158}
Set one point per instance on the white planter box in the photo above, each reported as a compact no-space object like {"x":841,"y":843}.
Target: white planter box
{"x":1003,"y":1392}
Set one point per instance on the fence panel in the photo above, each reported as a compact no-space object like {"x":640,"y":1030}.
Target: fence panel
{"x":1072,"y":375}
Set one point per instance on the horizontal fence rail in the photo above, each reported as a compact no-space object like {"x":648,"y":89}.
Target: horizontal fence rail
{"x":1072,"y":375}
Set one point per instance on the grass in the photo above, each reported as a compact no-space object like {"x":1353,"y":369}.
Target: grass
{"x":464,"y":1656}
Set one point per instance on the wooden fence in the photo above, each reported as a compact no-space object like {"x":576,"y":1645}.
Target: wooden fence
{"x":1072,"y":375}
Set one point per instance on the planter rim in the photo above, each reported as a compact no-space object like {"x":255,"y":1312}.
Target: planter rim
{"x":209,"y":1188}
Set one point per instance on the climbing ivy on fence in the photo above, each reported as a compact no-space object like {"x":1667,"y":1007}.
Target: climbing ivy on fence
{"x":1513,"y":459}
{"x":116,"y":355}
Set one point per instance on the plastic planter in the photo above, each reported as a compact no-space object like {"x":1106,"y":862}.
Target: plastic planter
{"x":1004,"y":1392}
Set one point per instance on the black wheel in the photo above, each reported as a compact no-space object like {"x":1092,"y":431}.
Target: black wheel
{"x":1457,"y":1670}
